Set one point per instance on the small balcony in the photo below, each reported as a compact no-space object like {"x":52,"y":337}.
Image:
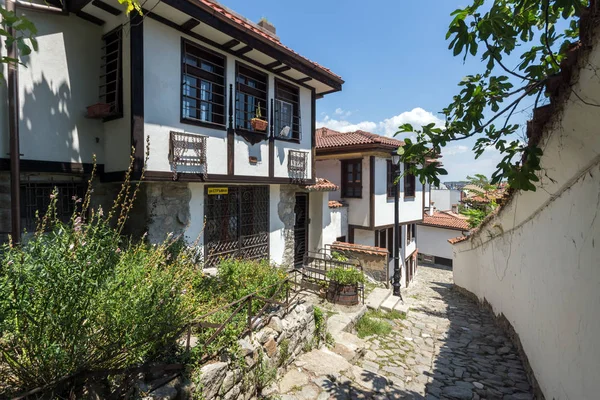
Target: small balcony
{"x":298,"y":165}
{"x":187,"y":153}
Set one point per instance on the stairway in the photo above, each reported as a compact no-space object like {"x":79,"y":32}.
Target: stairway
{"x":383,"y":299}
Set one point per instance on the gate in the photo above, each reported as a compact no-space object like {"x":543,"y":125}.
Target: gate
{"x":237,"y":224}
{"x":300,"y":229}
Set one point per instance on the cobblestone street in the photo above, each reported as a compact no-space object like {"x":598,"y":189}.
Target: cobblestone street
{"x":446,"y":348}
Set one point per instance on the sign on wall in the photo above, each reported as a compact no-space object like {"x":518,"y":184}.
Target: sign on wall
{"x":218,"y":190}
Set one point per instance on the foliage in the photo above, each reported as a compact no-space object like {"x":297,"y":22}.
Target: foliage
{"x":346,"y":276}
{"x":78,"y":296}
{"x":476,"y":216}
{"x":481,"y":181}
{"x":493,"y":30}
{"x":370,"y":325}
{"x":391,"y":315}
{"x":320,"y":326}
{"x":336,"y":255}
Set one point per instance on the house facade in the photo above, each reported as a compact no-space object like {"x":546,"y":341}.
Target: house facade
{"x":444,"y":198}
{"x":360,"y":164}
{"x":226,"y":109}
{"x":434,"y":232}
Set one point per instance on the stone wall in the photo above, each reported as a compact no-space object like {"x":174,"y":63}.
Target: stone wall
{"x":168,"y":208}
{"x":287,"y":215}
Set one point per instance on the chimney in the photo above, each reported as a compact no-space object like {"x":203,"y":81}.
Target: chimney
{"x":455,"y":208}
{"x":431,"y":210}
{"x":265,"y":24}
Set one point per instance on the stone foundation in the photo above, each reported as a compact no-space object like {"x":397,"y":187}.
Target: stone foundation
{"x":168,"y":209}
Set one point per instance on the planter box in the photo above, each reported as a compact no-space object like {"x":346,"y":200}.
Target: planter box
{"x":98,"y":110}
{"x":259,"y":124}
{"x":346,"y":295}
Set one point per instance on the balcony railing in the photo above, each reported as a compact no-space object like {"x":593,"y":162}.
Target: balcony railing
{"x":186,"y":149}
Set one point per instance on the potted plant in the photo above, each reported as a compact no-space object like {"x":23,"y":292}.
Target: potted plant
{"x":258,"y":124}
{"x":343,"y":285}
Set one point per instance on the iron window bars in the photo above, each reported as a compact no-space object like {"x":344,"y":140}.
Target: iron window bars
{"x":35,"y":197}
{"x":111,"y":72}
{"x":203,"y":84}
{"x":251,"y":94}
{"x":409,"y":182}
{"x":187,"y":149}
{"x":297,"y":165}
{"x":287,"y":111}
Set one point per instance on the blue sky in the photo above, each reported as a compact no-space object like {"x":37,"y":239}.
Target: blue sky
{"x":393,"y":56}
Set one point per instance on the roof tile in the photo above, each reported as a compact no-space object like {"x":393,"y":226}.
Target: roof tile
{"x":359,"y":248}
{"x":446,"y":219}
{"x":328,"y":138}
{"x":322,"y":185}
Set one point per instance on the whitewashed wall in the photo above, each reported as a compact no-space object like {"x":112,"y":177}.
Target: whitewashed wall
{"x":162,"y":102}
{"x":434,"y":241}
{"x":364,"y":237}
{"x":410,"y":209}
{"x":444,"y":198}
{"x":537,"y":262}
{"x":57,"y":84}
{"x":337,"y":226}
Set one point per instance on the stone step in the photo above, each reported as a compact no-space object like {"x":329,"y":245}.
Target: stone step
{"x":390,"y":303}
{"x":377,"y":297}
{"x":401,"y":307}
{"x":349,"y":346}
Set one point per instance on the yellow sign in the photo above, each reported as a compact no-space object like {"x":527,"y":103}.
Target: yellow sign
{"x":218,"y":190}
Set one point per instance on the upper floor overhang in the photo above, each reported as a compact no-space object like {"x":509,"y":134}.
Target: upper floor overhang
{"x":216,"y":25}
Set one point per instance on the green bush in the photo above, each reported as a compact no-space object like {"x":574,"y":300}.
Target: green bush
{"x":346,"y":276}
{"x":78,"y":296}
{"x":370,"y":324}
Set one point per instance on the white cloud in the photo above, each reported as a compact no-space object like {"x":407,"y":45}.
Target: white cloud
{"x":417,"y":117}
{"x":453,"y":150}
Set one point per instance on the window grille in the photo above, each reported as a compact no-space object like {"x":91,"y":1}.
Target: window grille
{"x":287,"y":111}
{"x":186,"y":149}
{"x":251,"y":95}
{"x":111,"y":75}
{"x":35,"y":196}
{"x":297,"y":165}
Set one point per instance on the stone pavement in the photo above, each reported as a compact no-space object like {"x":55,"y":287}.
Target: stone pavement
{"x":446,"y":348}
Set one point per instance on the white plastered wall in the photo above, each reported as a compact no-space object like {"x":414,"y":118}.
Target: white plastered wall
{"x":434,"y":241}
{"x":444,"y":198}
{"x":537,"y":263}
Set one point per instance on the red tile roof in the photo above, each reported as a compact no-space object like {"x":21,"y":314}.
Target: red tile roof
{"x":446,"y":219}
{"x":335,"y":204}
{"x":244,"y":23}
{"x":359,"y":248}
{"x":322,"y":185}
{"x":457,"y":239}
{"x":328,"y":138}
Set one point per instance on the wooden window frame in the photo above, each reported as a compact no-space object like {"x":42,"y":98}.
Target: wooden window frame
{"x":411,"y":233}
{"x":345,"y":184}
{"x":384,"y":238}
{"x":201,"y":74}
{"x":118,"y":112}
{"x":409,"y":182}
{"x":392,"y":172}
{"x":283,"y":88}
{"x":239,"y":89}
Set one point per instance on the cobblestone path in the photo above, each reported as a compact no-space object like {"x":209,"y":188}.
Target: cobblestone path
{"x":446,"y":348}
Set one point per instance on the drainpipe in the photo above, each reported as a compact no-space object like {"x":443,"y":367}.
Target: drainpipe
{"x":13,"y":129}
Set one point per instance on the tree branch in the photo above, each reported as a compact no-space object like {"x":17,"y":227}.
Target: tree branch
{"x":525,"y":78}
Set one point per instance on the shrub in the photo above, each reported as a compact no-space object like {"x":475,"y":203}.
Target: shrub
{"x":78,"y":296}
{"x":369,"y":325}
{"x":346,"y":276}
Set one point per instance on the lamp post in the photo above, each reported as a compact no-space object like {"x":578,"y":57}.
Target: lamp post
{"x":396,"y":282}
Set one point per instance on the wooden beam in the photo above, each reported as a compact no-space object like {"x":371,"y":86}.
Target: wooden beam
{"x":266,"y":46}
{"x":106,"y":7}
{"x":274,"y":64}
{"x":222,"y":47}
{"x":232,"y":43}
{"x":189,"y":24}
{"x":244,"y":50}
{"x":282,"y":69}
{"x":304,"y":80}
{"x":136,"y":51}
{"x":77,"y":5}
{"x":90,"y":18}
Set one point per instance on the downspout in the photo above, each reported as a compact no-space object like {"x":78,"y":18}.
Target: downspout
{"x":13,"y":129}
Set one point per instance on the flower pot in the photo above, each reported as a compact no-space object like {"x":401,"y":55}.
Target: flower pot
{"x":98,"y":110}
{"x":259,"y":124}
{"x":346,"y":295}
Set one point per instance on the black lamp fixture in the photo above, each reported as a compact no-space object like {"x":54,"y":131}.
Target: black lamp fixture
{"x":396,"y":280}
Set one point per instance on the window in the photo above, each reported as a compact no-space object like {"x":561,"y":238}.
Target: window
{"x":392,"y":173}
{"x":111,"y":78}
{"x":203,"y":85}
{"x":287,"y":111}
{"x":36,"y":197}
{"x":384,"y":238}
{"x":251,"y":97}
{"x":352,"y":178}
{"x":409,"y":182}
{"x":341,"y":239}
{"x":411,"y":233}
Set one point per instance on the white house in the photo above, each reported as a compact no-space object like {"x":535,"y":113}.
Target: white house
{"x":191,"y":78}
{"x":444,"y":198}
{"x":434,"y":232}
{"x":360,"y":163}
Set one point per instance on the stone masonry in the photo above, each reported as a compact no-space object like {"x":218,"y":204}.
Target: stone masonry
{"x":285,"y":209}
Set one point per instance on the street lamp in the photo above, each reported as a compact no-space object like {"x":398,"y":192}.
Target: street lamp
{"x":396,"y":282}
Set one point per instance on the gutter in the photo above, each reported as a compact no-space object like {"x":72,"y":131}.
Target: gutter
{"x":13,"y":130}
